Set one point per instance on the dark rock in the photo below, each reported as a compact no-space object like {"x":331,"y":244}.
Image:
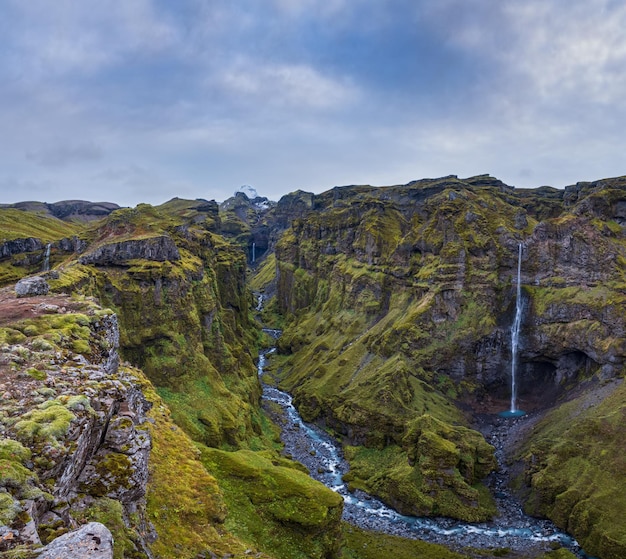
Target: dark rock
{"x":30,"y":287}
{"x":159,"y":249}
{"x":19,"y":246}
{"x":71,"y":244}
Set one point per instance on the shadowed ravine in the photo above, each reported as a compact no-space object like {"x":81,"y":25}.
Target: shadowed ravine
{"x":322,"y":456}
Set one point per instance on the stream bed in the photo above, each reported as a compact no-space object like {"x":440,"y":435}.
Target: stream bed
{"x":322,"y":455}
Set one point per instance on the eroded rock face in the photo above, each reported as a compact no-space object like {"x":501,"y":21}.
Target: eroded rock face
{"x":399,"y":302}
{"x":438,"y":242}
{"x":30,"y":287}
{"x":72,"y":433}
{"x":17,"y":246}
{"x":158,"y":249}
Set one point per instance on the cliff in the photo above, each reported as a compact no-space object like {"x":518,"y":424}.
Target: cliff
{"x":398,"y":303}
{"x":74,"y":443}
{"x":178,"y":289}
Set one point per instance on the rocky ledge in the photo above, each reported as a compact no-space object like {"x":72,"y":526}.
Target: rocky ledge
{"x":72,"y":446}
{"x":159,"y":249}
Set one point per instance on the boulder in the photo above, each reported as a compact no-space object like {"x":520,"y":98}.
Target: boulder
{"x":91,"y":541}
{"x":29,"y":287}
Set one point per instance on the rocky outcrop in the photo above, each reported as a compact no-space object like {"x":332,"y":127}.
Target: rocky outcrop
{"x":29,"y":287}
{"x":71,"y":245}
{"x":18,"y":246}
{"x":157,"y":249}
{"x":72,"y":434}
{"x":91,"y":541}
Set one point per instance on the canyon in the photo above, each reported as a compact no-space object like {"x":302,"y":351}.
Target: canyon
{"x":396,"y":305}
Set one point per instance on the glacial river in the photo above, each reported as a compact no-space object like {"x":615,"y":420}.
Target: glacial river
{"x":322,"y":456}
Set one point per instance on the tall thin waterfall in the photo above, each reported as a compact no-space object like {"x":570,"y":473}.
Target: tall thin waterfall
{"x":46,"y":259}
{"x":515,"y":333}
{"x":253,"y":256}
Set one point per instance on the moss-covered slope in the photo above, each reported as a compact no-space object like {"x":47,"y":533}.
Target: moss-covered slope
{"x":24,"y":240}
{"x":575,"y":469}
{"x":398,"y":303}
{"x":179,"y":291}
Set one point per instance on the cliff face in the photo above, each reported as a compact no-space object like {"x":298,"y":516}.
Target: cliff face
{"x":179,"y":292}
{"x":73,"y":425}
{"x":399,"y":303}
{"x":447,"y":253}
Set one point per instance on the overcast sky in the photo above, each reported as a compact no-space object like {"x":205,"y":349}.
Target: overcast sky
{"x":134,"y":101}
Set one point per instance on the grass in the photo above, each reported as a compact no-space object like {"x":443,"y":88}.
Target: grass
{"x":18,"y":224}
{"x":362,"y":544}
{"x":577,"y":469}
{"x":275,"y":505}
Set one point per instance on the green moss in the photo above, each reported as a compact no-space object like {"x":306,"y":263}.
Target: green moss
{"x":110,"y":513}
{"x":275,"y":505}
{"x":576,"y":468}
{"x":14,"y":450}
{"x":36,"y":373}
{"x":9,"y":509}
{"x":76,"y":402}
{"x":13,"y":474}
{"x":362,"y":544}
{"x":49,"y":422}
{"x":114,"y":471}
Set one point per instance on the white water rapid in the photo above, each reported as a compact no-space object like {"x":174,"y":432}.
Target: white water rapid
{"x":322,"y":456}
{"x":515,"y":328}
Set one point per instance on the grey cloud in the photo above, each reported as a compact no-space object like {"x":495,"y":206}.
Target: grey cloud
{"x":65,"y":154}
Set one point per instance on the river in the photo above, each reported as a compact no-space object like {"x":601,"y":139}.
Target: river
{"x":322,"y":455}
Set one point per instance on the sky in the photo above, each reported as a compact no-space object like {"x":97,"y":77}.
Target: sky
{"x":132,"y":101}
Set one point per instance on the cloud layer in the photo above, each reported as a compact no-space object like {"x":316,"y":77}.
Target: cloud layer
{"x":143,"y":100}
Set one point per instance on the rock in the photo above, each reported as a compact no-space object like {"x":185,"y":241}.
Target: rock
{"x":30,"y":287}
{"x":93,"y":540}
{"x":158,"y":249}
{"x":48,"y":309}
{"x":18,"y":246}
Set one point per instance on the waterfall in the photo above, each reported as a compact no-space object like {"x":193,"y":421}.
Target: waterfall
{"x":253,"y":258}
{"x":323,"y":457}
{"x":515,"y":328}
{"x":46,"y":259}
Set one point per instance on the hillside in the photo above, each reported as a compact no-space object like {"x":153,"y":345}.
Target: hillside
{"x":396,"y":305}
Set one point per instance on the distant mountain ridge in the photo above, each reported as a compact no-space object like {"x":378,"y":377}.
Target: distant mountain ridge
{"x":67,"y":210}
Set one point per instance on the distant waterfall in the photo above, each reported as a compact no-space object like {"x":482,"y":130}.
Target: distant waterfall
{"x":253,"y":253}
{"x":515,"y":333}
{"x":46,"y":259}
